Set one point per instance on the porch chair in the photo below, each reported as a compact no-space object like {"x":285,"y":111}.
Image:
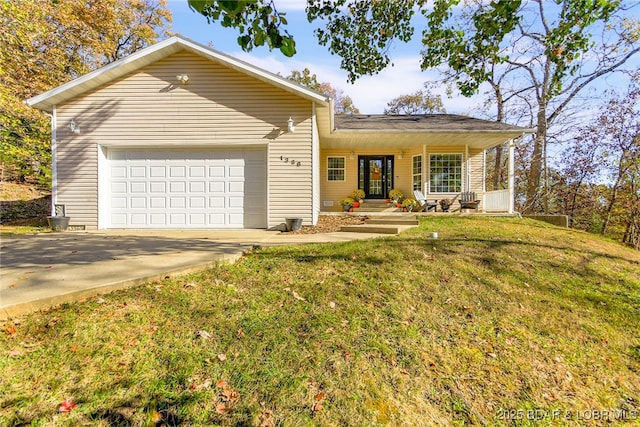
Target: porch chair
{"x":468,"y":200}
{"x":425,"y":205}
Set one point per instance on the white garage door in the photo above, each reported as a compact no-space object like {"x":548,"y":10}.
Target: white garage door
{"x":196,"y":188}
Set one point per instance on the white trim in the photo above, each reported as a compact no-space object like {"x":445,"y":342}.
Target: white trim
{"x":484,"y":170}
{"x":54,"y":160}
{"x":511,"y":179}
{"x":467,"y":165}
{"x":345,"y":168}
{"x":421,"y":169}
{"x":104,"y":178}
{"x":315,"y":167}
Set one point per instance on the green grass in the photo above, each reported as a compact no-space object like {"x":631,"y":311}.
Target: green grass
{"x":495,"y":318}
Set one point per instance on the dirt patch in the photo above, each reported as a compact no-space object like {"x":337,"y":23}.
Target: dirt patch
{"x":330,"y":224}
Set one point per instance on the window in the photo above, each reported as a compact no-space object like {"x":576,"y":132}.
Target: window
{"x":335,"y":168}
{"x":417,"y":173}
{"x":445,"y":173}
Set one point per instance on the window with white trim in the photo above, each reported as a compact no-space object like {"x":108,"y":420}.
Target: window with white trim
{"x":416,"y":172}
{"x":445,"y":173}
{"x":335,"y":168}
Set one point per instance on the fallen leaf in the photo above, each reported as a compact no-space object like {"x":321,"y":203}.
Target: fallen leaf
{"x":495,"y":356}
{"x":509,"y":341}
{"x":317,"y":406}
{"x":189,"y":285}
{"x":222,"y":357}
{"x":156,"y":418}
{"x":67,"y":406}
{"x":320,"y":396}
{"x":221,"y":408}
{"x":221,"y":383}
{"x":11,"y":330}
{"x":332,"y":304}
{"x":229,"y":394}
{"x":74,"y":348}
{"x":133,"y":342}
{"x":101,"y":301}
{"x":266,"y":419}
{"x":347,"y":355}
{"x":298,"y":297}
{"x":203,"y":334}
{"x":51,"y":323}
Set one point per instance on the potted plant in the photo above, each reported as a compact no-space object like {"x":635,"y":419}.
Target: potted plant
{"x":395,"y":195}
{"x":358,"y":195}
{"x":347,"y":203}
{"x":409,"y":204}
{"x":445,"y":203}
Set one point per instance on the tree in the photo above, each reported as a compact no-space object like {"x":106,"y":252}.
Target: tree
{"x":555,"y":49}
{"x":45,"y":44}
{"x":609,"y":147}
{"x":419,"y":102}
{"x":343,"y":104}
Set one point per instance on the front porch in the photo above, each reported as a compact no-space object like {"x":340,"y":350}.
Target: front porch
{"x":440,"y":155}
{"x":493,"y":202}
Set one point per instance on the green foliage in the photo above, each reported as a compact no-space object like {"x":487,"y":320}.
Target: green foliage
{"x":420,"y":102}
{"x":45,"y":44}
{"x":361,"y":32}
{"x":257,"y":21}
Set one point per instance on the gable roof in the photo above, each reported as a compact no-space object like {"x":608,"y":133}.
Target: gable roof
{"x":46,"y":101}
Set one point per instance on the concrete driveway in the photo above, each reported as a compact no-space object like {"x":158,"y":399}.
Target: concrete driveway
{"x":44,"y":270}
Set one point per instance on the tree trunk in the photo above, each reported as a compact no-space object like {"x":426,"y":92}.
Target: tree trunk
{"x":535,"y":172}
{"x":497,"y":173}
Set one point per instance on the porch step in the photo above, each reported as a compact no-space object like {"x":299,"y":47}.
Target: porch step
{"x":376,"y":206}
{"x":377,"y":229}
{"x":383,"y":225}
{"x":394,"y":220}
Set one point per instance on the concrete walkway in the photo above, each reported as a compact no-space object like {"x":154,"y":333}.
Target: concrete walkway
{"x":45,"y":270}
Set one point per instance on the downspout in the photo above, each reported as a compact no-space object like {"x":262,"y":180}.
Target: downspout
{"x":511,"y":180}
{"x":54,"y":161}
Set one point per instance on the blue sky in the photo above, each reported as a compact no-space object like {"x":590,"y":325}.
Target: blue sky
{"x":370,"y":94}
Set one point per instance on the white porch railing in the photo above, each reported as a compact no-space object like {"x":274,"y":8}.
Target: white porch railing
{"x":495,"y":201}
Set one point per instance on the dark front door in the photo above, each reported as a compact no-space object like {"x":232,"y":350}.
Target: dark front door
{"x":375,"y":175}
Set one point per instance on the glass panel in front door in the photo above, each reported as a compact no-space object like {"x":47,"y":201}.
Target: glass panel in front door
{"x":376,"y":173}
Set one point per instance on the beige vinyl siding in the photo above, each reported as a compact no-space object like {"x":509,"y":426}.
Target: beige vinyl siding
{"x":476,"y":167}
{"x":217,"y":107}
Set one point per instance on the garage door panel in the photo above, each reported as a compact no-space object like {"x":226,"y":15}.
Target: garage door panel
{"x":157,"y":171}
{"x":157,"y":187}
{"x":197,"y":188}
{"x":157,"y":202}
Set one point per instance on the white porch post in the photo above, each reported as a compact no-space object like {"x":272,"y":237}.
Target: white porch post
{"x":512,"y":192}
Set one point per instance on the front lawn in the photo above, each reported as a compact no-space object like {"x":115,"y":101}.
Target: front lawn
{"x":499,"y":321}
